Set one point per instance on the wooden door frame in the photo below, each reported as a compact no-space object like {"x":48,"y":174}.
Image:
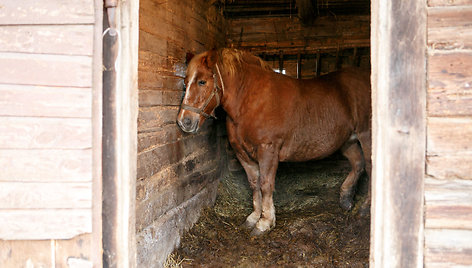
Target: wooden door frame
{"x":398,"y":48}
{"x":120,"y":143}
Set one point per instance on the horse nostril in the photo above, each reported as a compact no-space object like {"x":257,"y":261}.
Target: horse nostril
{"x":187,"y":122}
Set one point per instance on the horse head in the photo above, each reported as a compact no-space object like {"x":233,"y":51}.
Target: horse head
{"x":202,"y":93}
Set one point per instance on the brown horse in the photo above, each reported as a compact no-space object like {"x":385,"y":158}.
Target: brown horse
{"x":272,"y":117}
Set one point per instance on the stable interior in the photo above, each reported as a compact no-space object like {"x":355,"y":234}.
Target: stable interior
{"x":188,"y":180}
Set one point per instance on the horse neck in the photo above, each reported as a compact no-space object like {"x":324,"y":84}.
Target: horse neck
{"x":231,"y":99}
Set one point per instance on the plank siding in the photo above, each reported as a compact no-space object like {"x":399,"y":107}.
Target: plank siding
{"x":46,"y":56}
{"x":176,"y":172}
{"x":24,"y":100}
{"x":448,"y":188}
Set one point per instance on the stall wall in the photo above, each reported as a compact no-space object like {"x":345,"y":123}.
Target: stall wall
{"x":448,"y":182}
{"x":177,"y":173}
{"x":50,"y":133}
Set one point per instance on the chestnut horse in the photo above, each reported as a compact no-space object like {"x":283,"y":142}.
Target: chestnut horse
{"x":272,"y":117}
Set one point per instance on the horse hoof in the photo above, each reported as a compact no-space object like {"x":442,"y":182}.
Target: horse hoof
{"x":257,"y":232}
{"x":345,"y":202}
{"x":248,"y":225}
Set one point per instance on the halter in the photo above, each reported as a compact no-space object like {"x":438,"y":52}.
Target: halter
{"x":214,"y":93}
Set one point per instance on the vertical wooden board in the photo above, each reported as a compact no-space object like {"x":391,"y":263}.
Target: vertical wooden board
{"x":38,"y":224}
{"x":45,"y":70}
{"x":47,"y":39}
{"x":45,"y":133}
{"x":46,"y":12}
{"x":46,"y":165}
{"x":19,"y":100}
{"x":16,"y":253}
{"x":449,"y":135}
{"x":448,"y":248}
{"x":30,"y":195}
{"x":74,"y":252}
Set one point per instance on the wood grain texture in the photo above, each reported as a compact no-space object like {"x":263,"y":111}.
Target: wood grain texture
{"x":46,"y":12}
{"x":449,"y":135}
{"x":26,"y":253}
{"x":77,"y":250}
{"x":449,"y":16}
{"x":448,"y":203}
{"x":47,"y":39}
{"x":45,"y":70}
{"x":37,"y":224}
{"x":450,"y":84}
{"x":20,"y":100}
{"x":398,"y":80}
{"x":446,"y":166}
{"x":46,"y":165}
{"x":45,"y":133}
{"x":448,"y":248}
{"x":449,"y":2}
{"x":32,"y":195}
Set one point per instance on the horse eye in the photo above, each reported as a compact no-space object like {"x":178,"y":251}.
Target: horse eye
{"x":202,"y":82}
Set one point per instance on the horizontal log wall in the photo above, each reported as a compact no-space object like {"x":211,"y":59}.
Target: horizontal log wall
{"x":48,"y":132}
{"x":448,"y":184}
{"x":177,"y":173}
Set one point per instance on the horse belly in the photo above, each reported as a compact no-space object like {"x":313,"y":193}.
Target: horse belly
{"x":310,"y":147}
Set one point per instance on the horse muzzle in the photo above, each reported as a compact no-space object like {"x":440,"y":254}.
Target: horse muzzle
{"x":187,"y":123}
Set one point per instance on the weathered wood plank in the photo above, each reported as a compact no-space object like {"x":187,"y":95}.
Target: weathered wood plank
{"x":31,"y":195}
{"x":448,"y":248}
{"x":446,"y":166}
{"x":398,"y":80}
{"x":46,"y":165}
{"x":448,"y":204}
{"x":160,"y":97}
{"x":46,"y":12}
{"x":432,"y":3}
{"x":48,"y":39}
{"x":160,"y":80}
{"x":151,"y":162}
{"x":28,"y":253}
{"x":170,"y":197}
{"x":449,"y":135}
{"x":77,"y":250}
{"x":164,"y":135}
{"x":46,"y":70}
{"x":152,"y":118}
{"x":19,"y":100}
{"x":450,"y":87}
{"x":48,"y":223}
{"x":449,"y":17}
{"x":45,"y":133}
{"x":450,"y":38}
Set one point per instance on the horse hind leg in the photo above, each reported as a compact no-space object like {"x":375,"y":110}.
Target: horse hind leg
{"x":365,"y":138}
{"x":352,"y":151}
{"x":252,"y":172}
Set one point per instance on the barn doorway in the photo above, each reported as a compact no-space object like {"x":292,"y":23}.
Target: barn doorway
{"x":178,"y":175}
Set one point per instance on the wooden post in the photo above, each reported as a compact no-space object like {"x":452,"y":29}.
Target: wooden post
{"x":281,"y":62}
{"x":299,"y":66}
{"x":318,"y":64}
{"x":120,"y":139}
{"x":355,"y":57}
{"x":338,"y":59}
{"x":399,"y":136}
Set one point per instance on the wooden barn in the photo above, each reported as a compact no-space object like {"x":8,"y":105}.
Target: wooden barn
{"x":96,"y":172}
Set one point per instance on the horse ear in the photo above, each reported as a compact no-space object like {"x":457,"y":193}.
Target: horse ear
{"x":210,"y":59}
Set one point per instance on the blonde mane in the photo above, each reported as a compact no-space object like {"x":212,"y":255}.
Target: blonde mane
{"x":232,"y":59}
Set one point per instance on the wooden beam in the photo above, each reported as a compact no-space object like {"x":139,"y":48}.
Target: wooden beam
{"x":399,"y":128}
{"x":281,"y":62}
{"x":299,"y":66}
{"x":318,"y":64}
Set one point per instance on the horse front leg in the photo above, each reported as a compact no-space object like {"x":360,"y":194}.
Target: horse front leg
{"x":268,"y":162}
{"x":252,"y":172}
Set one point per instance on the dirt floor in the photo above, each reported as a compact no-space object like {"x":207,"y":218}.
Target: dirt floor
{"x":311,"y":229}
